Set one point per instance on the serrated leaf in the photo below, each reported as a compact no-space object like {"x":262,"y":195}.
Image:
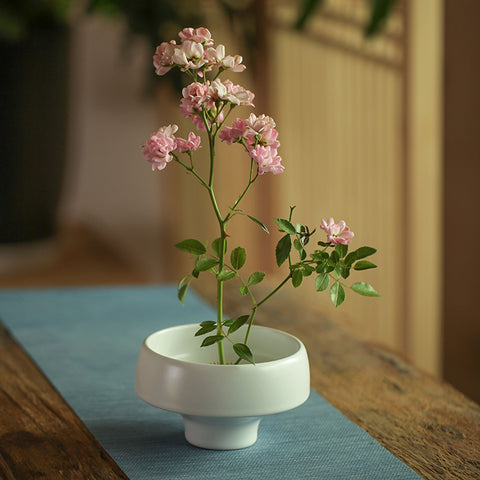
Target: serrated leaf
{"x":363,"y":252}
{"x":364,"y":265}
{"x":211,"y":340}
{"x":256,"y":277}
{"x":258,"y":222}
{"x":337,"y":294}
{"x":204,"y":264}
{"x":191,"y":246}
{"x":341,"y":249}
{"x":216,"y":246}
{"x":225,"y":275}
{"x":244,"y":352}
{"x":237,"y":323}
{"x":297,"y":278}
{"x":283,"y":249}
{"x":365,"y":289}
{"x":182,"y":292}
{"x":238,"y":257}
{"x":321,"y":282}
{"x":285,"y":226}
{"x":243,"y":290}
{"x":205,"y":329}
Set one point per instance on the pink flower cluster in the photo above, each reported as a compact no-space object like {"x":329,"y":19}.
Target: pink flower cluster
{"x":158,"y":150}
{"x":195,"y":52}
{"x":337,"y":232}
{"x":210,"y":97}
{"x":259,"y":137}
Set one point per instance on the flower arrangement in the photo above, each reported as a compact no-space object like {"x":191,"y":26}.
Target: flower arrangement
{"x":208,"y":102}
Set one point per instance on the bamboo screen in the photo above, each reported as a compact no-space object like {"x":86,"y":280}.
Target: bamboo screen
{"x":339,"y":104}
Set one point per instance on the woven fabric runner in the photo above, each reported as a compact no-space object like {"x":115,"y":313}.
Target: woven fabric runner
{"x":87,"y":340}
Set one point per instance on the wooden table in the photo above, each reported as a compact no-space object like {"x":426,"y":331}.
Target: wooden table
{"x":424,"y":422}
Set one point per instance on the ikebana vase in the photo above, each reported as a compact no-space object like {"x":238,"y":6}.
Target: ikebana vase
{"x":222,"y":405}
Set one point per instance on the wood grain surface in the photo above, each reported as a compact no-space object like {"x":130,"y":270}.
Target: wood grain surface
{"x":40,"y":435}
{"x":426,"y":423}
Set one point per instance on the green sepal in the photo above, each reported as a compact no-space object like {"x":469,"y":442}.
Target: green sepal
{"x":283,"y":248}
{"x":365,"y":289}
{"x":191,"y":246}
{"x":337,"y":294}
{"x":204,"y":264}
{"x":237,"y":323}
{"x":321,"y":282}
{"x":256,"y":277}
{"x":225,"y":275}
{"x":244,"y":352}
{"x":211,"y":340}
{"x":364,"y":265}
{"x":285,"y":226}
{"x":238,"y":257}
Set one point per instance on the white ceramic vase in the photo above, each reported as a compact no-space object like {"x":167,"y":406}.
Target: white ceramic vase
{"x":221,"y":405}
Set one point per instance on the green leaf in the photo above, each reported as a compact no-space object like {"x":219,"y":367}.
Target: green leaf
{"x":206,"y":329}
{"x":321,"y":282}
{"x":244,"y":290}
{"x":365,"y":289}
{"x":341,"y":250}
{"x":334,"y":257}
{"x":283,"y":249}
{"x":308,"y":270}
{"x":285,"y":226}
{"x":306,"y":12}
{"x":216,"y":246}
{"x":238,"y":257}
{"x":364,"y":265}
{"x":256,"y":277}
{"x":303,"y":254}
{"x":344,"y":271}
{"x":244,"y":352}
{"x":337,"y":294}
{"x":297,"y":244}
{"x":182,"y":292}
{"x":208,"y":322}
{"x":363,"y":252}
{"x":237,"y":323}
{"x":378,"y":15}
{"x":225,"y":275}
{"x":350,"y":258}
{"x":204,"y":264}
{"x":258,"y":222}
{"x":323,"y":267}
{"x":297,"y":278}
{"x":211,"y":340}
{"x":192,"y":246}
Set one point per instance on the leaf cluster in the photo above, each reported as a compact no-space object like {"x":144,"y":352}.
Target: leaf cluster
{"x":329,"y":264}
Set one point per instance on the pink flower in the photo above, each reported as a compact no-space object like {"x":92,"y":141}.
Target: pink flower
{"x":337,"y":232}
{"x":268,"y":160}
{"x":216,"y":56}
{"x":163,"y":58}
{"x":235,"y":132}
{"x":260,"y":123}
{"x":189,"y":55}
{"x":189,"y":145}
{"x":199,"y":35}
{"x":157,"y":149}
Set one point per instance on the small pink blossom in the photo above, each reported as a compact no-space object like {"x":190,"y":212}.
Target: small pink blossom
{"x":261,"y":123}
{"x":337,"y":232}
{"x":267,"y":159}
{"x":235,"y":132}
{"x":189,"y":145}
{"x":163,"y":57}
{"x":158,"y":148}
{"x":216,"y":56}
{"x":189,"y":55}
{"x":199,"y":35}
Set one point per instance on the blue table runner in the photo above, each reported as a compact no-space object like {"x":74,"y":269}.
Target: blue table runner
{"x":86,"y":340}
